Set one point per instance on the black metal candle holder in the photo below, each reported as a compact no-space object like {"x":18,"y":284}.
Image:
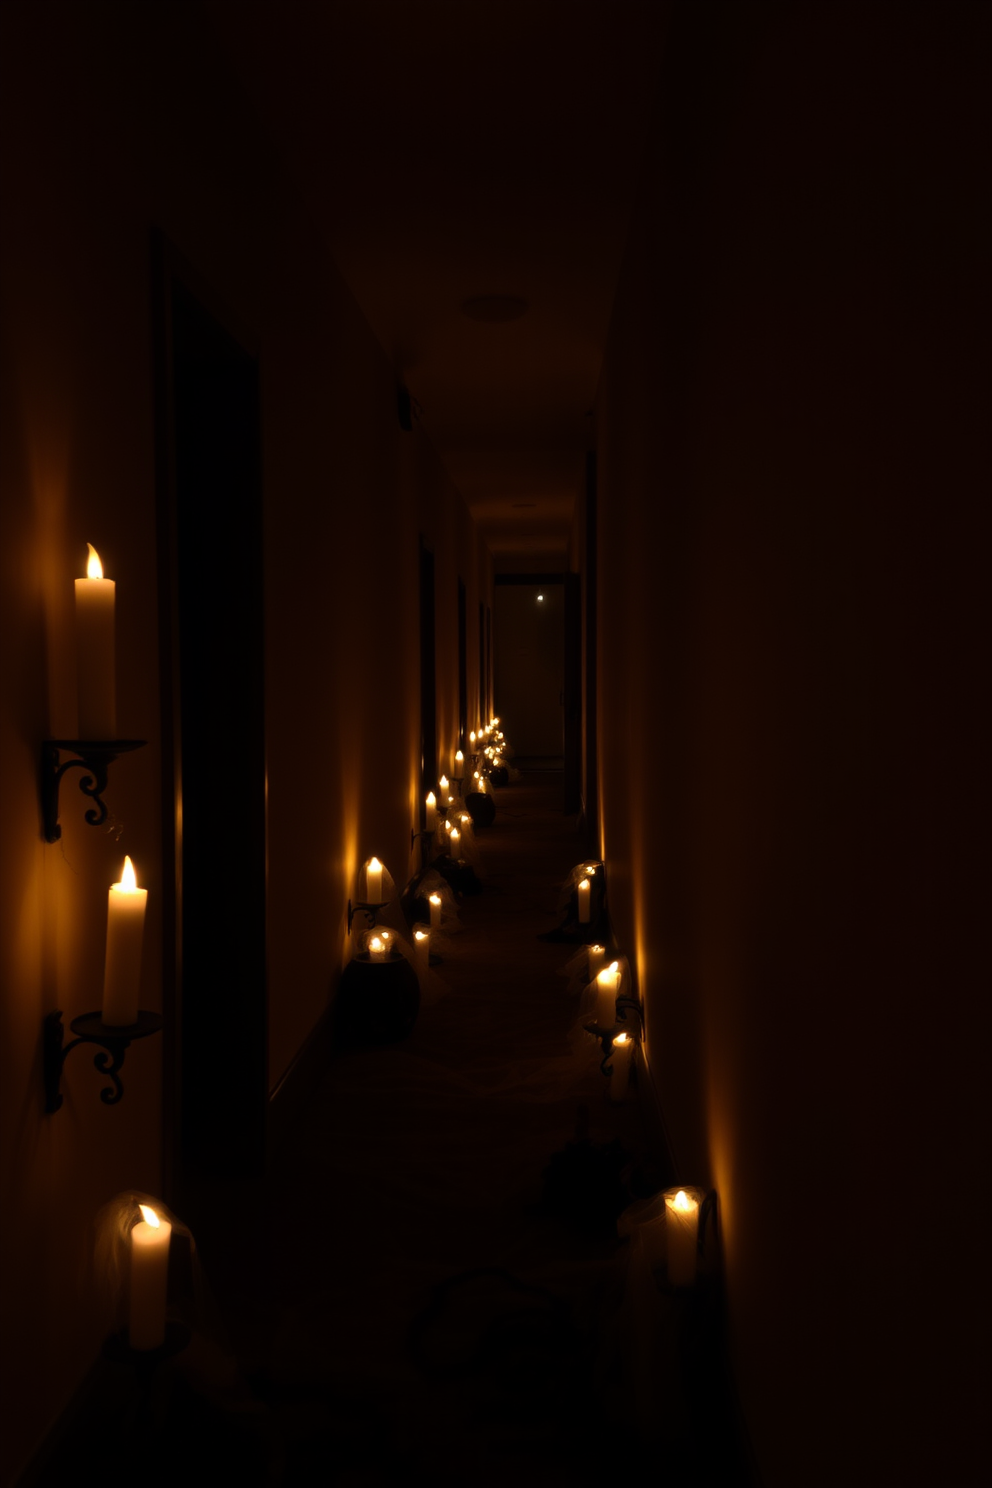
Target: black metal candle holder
{"x":90,"y":1028}
{"x":370,"y":911}
{"x":95,"y":756}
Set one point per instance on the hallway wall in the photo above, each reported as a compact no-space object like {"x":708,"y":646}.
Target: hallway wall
{"x":793,"y":746}
{"x":115,"y":118}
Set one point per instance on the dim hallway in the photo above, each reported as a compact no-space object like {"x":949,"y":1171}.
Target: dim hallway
{"x":399,"y":1301}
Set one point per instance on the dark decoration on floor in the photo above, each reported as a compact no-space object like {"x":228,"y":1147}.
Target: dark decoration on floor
{"x":461,"y":876}
{"x":95,"y":758}
{"x":587,"y":1185}
{"x":500,"y":775}
{"x":91,"y":1029}
{"x":481,"y":808}
{"x":377,"y":1001}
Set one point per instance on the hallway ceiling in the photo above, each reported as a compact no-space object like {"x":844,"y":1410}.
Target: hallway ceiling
{"x":456,"y":149}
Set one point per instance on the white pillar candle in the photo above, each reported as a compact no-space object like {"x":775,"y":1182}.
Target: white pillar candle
{"x":422,"y":946}
{"x":459,"y":763}
{"x":585,"y":891}
{"x":622,"y":1054}
{"x":377,"y":948}
{"x":681,"y":1230}
{"x":150,"y":1240}
{"x":373,"y":881}
{"x":607,"y":990}
{"x":122,"y":968}
{"x":597,"y":955}
{"x":442,"y":786}
{"x":95,"y":652}
{"x":431,"y":811}
{"x":435,"y":903}
{"x":455,"y":840}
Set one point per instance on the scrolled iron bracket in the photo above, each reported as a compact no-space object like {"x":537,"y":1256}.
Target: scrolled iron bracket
{"x":94,"y":758}
{"x":112,"y":1042}
{"x":370,"y":911}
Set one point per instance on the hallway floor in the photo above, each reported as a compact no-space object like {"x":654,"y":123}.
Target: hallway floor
{"x":405,"y":1304}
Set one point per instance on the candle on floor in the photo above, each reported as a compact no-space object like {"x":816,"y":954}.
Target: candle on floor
{"x":585,"y":893}
{"x":95,"y":652}
{"x":597,"y":955}
{"x":434,"y":900}
{"x":150,"y":1240}
{"x":422,"y":946}
{"x":126,"y":905}
{"x":377,"y":948}
{"x":622,"y":1054}
{"x":681,"y":1230}
{"x":607,"y":991}
{"x":373,"y":881}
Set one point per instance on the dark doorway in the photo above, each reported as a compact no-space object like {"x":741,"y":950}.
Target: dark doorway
{"x":462,"y":666}
{"x":590,"y":774}
{"x":210,"y":502}
{"x":428,"y":682}
{"x":483,"y":710}
{"x":529,"y":666}
{"x":573,"y":694}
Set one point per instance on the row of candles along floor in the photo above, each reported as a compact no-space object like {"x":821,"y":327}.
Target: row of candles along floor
{"x":668,"y":1231}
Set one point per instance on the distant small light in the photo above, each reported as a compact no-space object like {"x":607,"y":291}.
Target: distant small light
{"x":540,"y":599}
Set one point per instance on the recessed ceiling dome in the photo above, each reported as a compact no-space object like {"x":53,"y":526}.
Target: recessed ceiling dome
{"x":494,"y":307}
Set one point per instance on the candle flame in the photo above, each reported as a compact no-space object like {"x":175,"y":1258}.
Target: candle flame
{"x":375,"y":865}
{"x":605,"y":975}
{"x":471,"y":737}
{"x":420,"y":934}
{"x":682,"y":1202}
{"x":459,"y":756}
{"x":94,"y":568}
{"x":149,"y":1216}
{"x":597,"y":950}
{"x":443,"y":782}
{"x":128,"y":883}
{"x":622,"y":1038}
{"x":376,"y":944}
{"x":435,"y":899}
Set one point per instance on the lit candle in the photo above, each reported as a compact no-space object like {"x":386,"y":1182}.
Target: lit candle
{"x":150,"y":1239}
{"x":95,"y":658}
{"x":681,"y":1229}
{"x":442,"y":786}
{"x":607,"y":989}
{"x":377,"y":948}
{"x":422,"y":946}
{"x":471,"y":738}
{"x":459,"y":762}
{"x":597,"y":955}
{"x":122,"y":967}
{"x":585,"y":891}
{"x":455,"y":840}
{"x":431,"y":811}
{"x":623,"y":1052}
{"x":373,"y":882}
{"x":434,"y":901}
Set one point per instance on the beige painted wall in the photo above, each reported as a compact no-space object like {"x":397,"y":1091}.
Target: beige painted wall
{"x":93,"y":153}
{"x":794,"y":522}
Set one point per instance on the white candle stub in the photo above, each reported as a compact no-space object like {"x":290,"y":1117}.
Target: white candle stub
{"x":96,"y":652}
{"x":607,"y":991}
{"x":585,"y":895}
{"x":122,"y":965}
{"x":597,"y":955}
{"x":435,"y":903}
{"x":621,"y":1056}
{"x":150,"y":1239}
{"x":377,"y":948}
{"x":422,"y":946}
{"x":681,"y":1227}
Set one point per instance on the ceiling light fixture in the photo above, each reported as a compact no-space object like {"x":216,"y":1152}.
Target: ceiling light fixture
{"x":494,"y":309}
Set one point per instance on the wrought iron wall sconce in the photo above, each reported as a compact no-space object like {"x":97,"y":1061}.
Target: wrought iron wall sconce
{"x":95,"y":756}
{"x":370,"y":911}
{"x":90,"y":1028}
